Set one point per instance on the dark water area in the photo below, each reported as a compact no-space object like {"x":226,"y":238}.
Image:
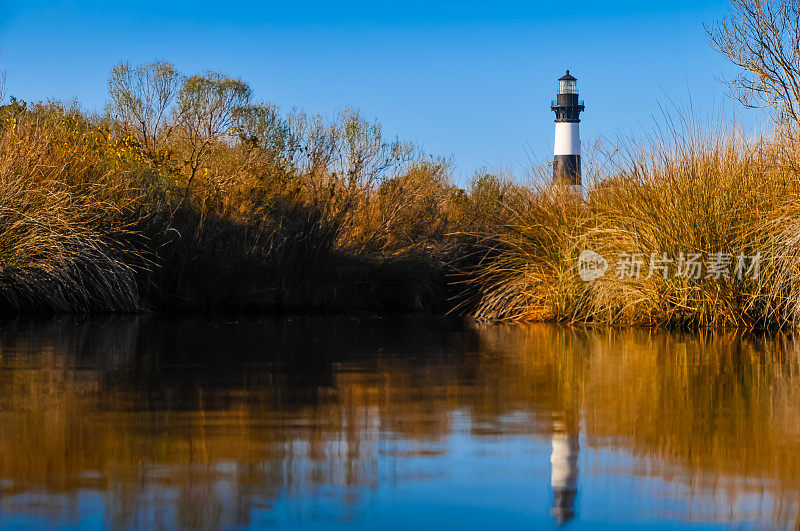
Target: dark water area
{"x":396,"y":423}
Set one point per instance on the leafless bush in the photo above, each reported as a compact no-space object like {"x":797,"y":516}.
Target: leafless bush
{"x":762,"y":37}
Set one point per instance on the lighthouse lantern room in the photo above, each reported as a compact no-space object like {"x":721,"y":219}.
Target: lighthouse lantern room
{"x":567,"y":153}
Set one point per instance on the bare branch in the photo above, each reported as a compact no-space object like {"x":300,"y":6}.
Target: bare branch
{"x":762,"y":37}
{"x":3,"y":86}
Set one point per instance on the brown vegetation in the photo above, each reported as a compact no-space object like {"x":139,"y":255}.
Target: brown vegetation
{"x":188,"y":195}
{"x":196,"y":198}
{"x":249,"y":209}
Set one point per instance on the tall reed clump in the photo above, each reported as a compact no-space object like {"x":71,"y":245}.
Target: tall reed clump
{"x":779,"y":233}
{"x":715,"y":196}
{"x":525,"y":272}
{"x":66,"y":215}
{"x":708,"y":196}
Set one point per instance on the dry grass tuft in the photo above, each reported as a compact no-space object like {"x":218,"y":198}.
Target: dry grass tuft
{"x":693,"y":193}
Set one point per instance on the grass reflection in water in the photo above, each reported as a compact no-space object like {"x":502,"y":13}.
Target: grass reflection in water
{"x":144,"y":421}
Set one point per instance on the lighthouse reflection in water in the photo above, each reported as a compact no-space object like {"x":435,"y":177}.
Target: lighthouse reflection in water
{"x":564,"y":471}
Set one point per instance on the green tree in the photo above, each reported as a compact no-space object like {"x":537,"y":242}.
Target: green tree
{"x":208,"y":111}
{"x":261,"y":126}
{"x":142,"y":96}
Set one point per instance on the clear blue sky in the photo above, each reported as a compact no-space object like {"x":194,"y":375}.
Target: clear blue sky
{"x":467,"y":79}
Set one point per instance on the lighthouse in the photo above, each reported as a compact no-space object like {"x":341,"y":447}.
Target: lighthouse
{"x":567,"y":153}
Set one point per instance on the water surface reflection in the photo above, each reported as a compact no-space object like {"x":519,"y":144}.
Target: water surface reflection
{"x":398,"y":422}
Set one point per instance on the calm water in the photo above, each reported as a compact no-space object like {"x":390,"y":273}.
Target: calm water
{"x":417,"y":422}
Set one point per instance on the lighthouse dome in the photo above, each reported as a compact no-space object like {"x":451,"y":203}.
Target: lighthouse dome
{"x":567,"y":84}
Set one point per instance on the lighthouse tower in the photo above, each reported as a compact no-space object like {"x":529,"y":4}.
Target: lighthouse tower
{"x":567,"y":153}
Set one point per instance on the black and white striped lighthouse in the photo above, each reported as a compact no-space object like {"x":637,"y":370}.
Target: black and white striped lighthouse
{"x":567,"y":153}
